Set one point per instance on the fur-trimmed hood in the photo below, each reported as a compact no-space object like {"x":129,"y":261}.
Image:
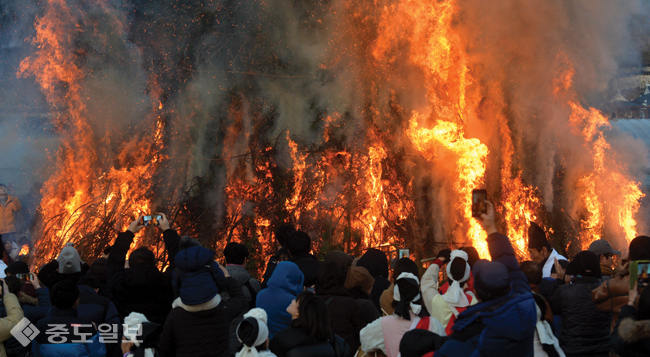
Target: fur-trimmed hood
{"x":632,"y":330}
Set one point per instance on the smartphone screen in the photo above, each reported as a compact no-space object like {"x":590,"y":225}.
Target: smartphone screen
{"x":403,"y":253}
{"x":639,"y":272}
{"x":479,"y":207}
{"x":23,"y":276}
{"x":151,"y":220}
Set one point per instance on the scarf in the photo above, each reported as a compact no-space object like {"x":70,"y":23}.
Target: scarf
{"x":403,"y":305}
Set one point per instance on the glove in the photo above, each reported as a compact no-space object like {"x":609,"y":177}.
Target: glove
{"x":446,"y":254}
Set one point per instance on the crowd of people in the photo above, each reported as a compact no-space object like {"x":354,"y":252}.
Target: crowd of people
{"x":343,"y":306}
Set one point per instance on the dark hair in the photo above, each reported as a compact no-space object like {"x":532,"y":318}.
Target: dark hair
{"x":472,"y":255}
{"x":457,"y":269}
{"x":533,"y":271}
{"x":3,"y":185}
{"x":408,"y":290}
{"x":313,"y":317}
{"x":487,"y":294}
{"x":283,"y":255}
{"x":640,"y":248}
{"x":235,"y":253}
{"x":14,"y":284}
{"x":188,"y":242}
{"x":643,"y":311}
{"x":89,"y":280}
{"x":331,"y":275}
{"x":64,"y":294}
{"x":405,"y":265}
{"x":142,"y":256}
{"x":283,"y":234}
{"x":108,"y":249}
{"x":299,"y":244}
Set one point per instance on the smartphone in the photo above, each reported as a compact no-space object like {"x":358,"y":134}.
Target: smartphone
{"x":479,"y":207}
{"x":151,"y":220}
{"x":403,"y":253}
{"x":640,"y":271}
{"x":25,"y":277}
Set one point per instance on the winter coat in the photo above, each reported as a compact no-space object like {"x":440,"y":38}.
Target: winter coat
{"x":585,"y":329}
{"x":143,"y":288}
{"x":283,"y":286}
{"x":83,"y":330}
{"x":294,"y":338}
{"x":436,"y":303}
{"x":309,"y":266}
{"x":48,"y":275}
{"x":500,"y":327}
{"x":202,"y":330}
{"x":31,"y":312}
{"x":385,"y":333}
{"x":242,"y":276}
{"x":345,"y":314}
{"x":7,"y":212}
{"x":375,"y":261}
{"x":14,"y":315}
{"x":99,"y":310}
{"x":611,"y":295}
{"x":631,"y":337}
{"x":386,"y":300}
{"x":368,"y":310}
{"x":196,"y":276}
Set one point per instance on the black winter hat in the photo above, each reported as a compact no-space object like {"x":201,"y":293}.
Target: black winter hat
{"x":537,"y":237}
{"x":585,"y":263}
{"x":376,"y":262}
{"x":418,"y":342}
{"x":491,"y":279}
{"x":17,"y":267}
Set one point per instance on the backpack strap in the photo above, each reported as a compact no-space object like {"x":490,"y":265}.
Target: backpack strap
{"x":329,"y":300}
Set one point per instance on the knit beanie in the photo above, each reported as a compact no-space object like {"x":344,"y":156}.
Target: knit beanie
{"x":136,"y":329}
{"x":536,"y":237}
{"x":491,"y":280}
{"x":252,"y":332}
{"x":69,"y":261}
{"x":361,"y":278}
{"x":585,"y":263}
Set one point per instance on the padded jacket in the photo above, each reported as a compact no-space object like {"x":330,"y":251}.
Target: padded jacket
{"x":196,"y":276}
{"x":611,"y":294}
{"x":62,"y":343}
{"x":7,"y":221}
{"x":346,"y":317}
{"x":294,"y":342}
{"x":283,"y":286}
{"x":585,"y":329}
{"x":631,"y":336}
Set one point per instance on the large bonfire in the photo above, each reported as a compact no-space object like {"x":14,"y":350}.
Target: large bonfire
{"x":364,"y":123}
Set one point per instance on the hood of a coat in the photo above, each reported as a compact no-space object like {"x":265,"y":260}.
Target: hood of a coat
{"x":632,"y":330}
{"x":287,"y":276}
{"x":194,"y":258}
{"x":513,"y":316}
{"x":375,"y":261}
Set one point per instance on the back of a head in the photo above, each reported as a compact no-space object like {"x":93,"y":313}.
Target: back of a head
{"x":472,"y":255}
{"x":640,"y":248}
{"x":406,"y":293}
{"x":457,"y":268}
{"x":313,"y":317}
{"x":98,"y":268}
{"x":358,"y":278}
{"x":299,"y":244}
{"x":491,"y":280}
{"x":14,"y":284}
{"x":283,"y":234}
{"x":188,"y":242}
{"x":341,"y":258}
{"x":235,"y":253}
{"x":533,"y":271}
{"x":585,"y":263}
{"x":142,"y":257}
{"x":89,"y":280}
{"x":331,"y":275}
{"x":537,"y":238}
{"x":375,"y":261}
{"x":64,"y":294}
{"x":287,"y":276}
{"x":17,"y":267}
{"x":405,"y":265}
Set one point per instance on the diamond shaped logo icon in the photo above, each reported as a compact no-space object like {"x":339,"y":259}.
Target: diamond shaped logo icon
{"x":25,"y":332}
